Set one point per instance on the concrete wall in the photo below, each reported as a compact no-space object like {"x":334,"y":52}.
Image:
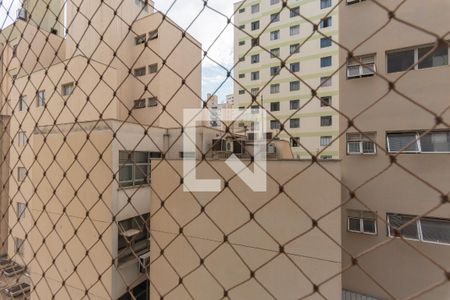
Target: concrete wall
{"x":252,"y":243}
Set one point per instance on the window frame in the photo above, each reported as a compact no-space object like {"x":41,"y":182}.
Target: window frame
{"x":276,"y":105}
{"x":130,"y":162}
{"x":294,"y":120}
{"x":416,"y":58}
{"x":361,"y":219}
{"x":23,"y":105}
{"x":40,"y":98}
{"x":20,"y":210}
{"x":323,"y":118}
{"x":357,"y":61}
{"x":362,"y":139}
{"x":22,"y":138}
{"x":64,"y":89}
{"x":294,"y":101}
{"x":153,"y":68}
{"x":418,"y":141}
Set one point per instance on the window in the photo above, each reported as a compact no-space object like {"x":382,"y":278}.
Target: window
{"x":325,"y":61}
{"x":294,"y":48}
{"x":19,"y":245}
{"x":254,"y":91}
{"x":326,"y":157}
{"x":255,"y":42}
{"x":358,"y":143}
{"x":274,"y":124}
{"x":274,"y":52}
{"x":140,"y":39}
{"x":67,"y":89}
{"x":133,"y":237}
{"x":325,"y":42}
{"x":361,"y":222}
{"x":273,"y":2}
{"x":295,"y":142}
{"x":274,"y":35}
{"x":242,"y":75}
{"x":295,"y":67}
{"x":21,"y":210}
{"x":274,"y":70}
{"x":294,"y":30}
{"x":139,"y":72}
{"x":255,"y":75}
{"x":21,"y":174}
{"x":23,"y":103}
{"x":403,"y":60}
{"x":40,"y":97}
{"x":140,"y":103}
{"x":426,"y":229}
{"x":275,"y":88}
{"x":325,"y":101}
{"x":325,"y":140}
{"x":152,"y":35}
{"x":326,"y":121}
{"x":14,"y":50}
{"x":152,"y":101}
{"x":241,"y":59}
{"x":361,"y":66}
{"x":415,"y":142}
{"x":153,"y":68}
{"x":241,"y":92}
{"x":254,"y":59}
{"x":354,"y":1}
{"x":294,"y":85}
{"x":275,"y":18}
{"x":325,"y":4}
{"x":255,"y":25}
{"x":325,"y":81}
{"x":294,"y":123}
{"x":187,"y":155}
{"x":241,"y":10}
{"x":255,"y":8}
{"x":134,"y":168}
{"x":241,"y":43}
{"x":275,"y":106}
{"x":294,"y":12}
{"x":294,"y":104}
{"x":326,"y":22}
{"x":22,"y":137}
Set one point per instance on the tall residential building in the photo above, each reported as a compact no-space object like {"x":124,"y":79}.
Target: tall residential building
{"x":283,"y":61}
{"x":88,"y":115}
{"x":403,"y":108}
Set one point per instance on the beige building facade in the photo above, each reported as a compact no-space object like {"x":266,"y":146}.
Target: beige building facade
{"x":400,"y":120}
{"x":269,"y":36}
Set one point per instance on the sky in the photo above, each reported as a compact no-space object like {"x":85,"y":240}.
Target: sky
{"x":209,"y":28}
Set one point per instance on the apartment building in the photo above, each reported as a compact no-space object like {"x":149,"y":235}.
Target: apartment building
{"x":283,"y":61}
{"x":396,"y":122}
{"x":88,"y":116}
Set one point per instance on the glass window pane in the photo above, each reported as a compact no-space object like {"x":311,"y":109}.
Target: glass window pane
{"x":141,"y":173}
{"x":126,"y":173}
{"x":354,"y":147}
{"x":402,"y":142}
{"x":434,"y":230}
{"x":368,"y":147}
{"x":400,"y":61}
{"x":140,"y":157}
{"x":369,"y":225}
{"x":354,"y":224}
{"x":410,"y":231}
{"x":436,"y":142}
{"x":437,"y":58}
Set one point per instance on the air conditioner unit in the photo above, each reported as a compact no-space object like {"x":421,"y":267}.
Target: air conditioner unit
{"x":22,"y":14}
{"x":144,"y":262}
{"x":229,"y":146}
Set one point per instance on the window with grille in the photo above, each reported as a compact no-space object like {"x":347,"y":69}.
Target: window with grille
{"x":361,"y":143}
{"x":325,"y":4}
{"x":326,"y":121}
{"x":274,"y":52}
{"x":275,"y":106}
{"x":325,"y":140}
{"x":294,"y":30}
{"x":274,"y":70}
{"x":361,"y":222}
{"x":294,"y":123}
{"x":294,"y":104}
{"x":294,"y":85}
{"x":274,"y":35}
{"x":325,"y":62}
{"x":255,"y":8}
{"x":140,"y":103}
{"x":255,"y":25}
{"x":275,"y":88}
{"x":153,"y":68}
{"x":295,"y":67}
{"x":274,"y":124}
{"x":294,"y":12}
{"x":326,"y":81}
{"x":275,"y":17}
{"x":425,"y":229}
{"x":361,"y":66}
{"x":325,"y":42}
{"x":325,"y":101}
{"x":152,"y":101}
{"x":294,"y":48}
{"x":254,"y":75}
{"x":134,"y":168}
{"x":254,"y":59}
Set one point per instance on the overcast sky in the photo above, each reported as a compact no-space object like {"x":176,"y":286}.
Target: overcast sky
{"x":205,"y":28}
